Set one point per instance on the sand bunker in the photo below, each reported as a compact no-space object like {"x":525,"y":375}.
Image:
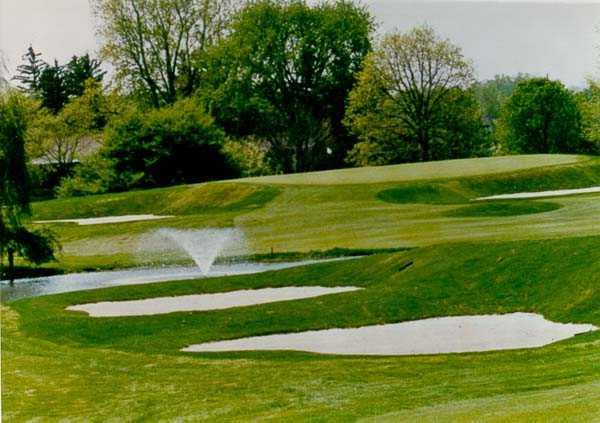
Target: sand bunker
{"x":203,"y":302}
{"x":107,"y":219}
{"x":428,"y":336}
{"x":541,"y":194}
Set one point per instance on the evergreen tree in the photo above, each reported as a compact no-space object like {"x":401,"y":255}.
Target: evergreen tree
{"x":30,"y":72}
{"x":52,"y":87}
{"x":78,"y":71}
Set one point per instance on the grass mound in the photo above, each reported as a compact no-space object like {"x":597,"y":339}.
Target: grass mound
{"x":503,"y":208}
{"x":423,"y":171}
{"x":457,"y":191}
{"x":179,"y":200}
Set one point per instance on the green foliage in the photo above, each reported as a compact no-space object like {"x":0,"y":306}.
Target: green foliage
{"x":589,"y":105}
{"x":52,"y":89}
{"x":56,"y":84}
{"x":29,"y":73}
{"x":155,"y":45}
{"x":387,"y":135}
{"x":493,"y":94}
{"x":284,"y":74}
{"x":51,"y":140}
{"x":79,"y":71}
{"x":176,"y":144}
{"x":14,"y":179}
{"x":541,"y":116}
{"x":248,"y":155}
{"x":37,"y":247}
{"x":94,"y":175}
{"x":373,"y":118}
{"x":411,"y":103}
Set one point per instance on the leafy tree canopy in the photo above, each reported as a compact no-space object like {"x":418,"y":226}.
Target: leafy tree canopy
{"x":541,"y":116}
{"x":284,"y":75}
{"x":175,"y":144}
{"x":154,"y":45}
{"x":589,"y":104}
{"x":493,"y":94}
{"x":34,"y":246}
{"x":412,"y":103}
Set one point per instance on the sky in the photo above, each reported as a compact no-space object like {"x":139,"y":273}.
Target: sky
{"x":560,"y":39}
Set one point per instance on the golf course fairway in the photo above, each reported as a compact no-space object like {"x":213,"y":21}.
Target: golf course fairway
{"x":422,"y":248}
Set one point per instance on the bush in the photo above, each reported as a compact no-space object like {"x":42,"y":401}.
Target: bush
{"x":176,"y":144}
{"x":94,"y":175}
{"x":249,"y":156}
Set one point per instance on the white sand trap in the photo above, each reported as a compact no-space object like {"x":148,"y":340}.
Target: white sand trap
{"x":204,"y":302}
{"x":106,"y":219}
{"x":428,"y":336}
{"x":541,"y":194}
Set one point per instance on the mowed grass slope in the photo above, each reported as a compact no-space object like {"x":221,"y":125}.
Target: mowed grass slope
{"x":63,"y":364}
{"x":397,"y":211}
{"x":538,"y":256}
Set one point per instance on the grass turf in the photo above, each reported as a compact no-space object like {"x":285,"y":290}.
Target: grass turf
{"x":60,"y":365}
{"x":292,"y":217}
{"x":136,"y":370}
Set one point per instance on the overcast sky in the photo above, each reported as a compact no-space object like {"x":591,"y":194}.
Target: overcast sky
{"x":542,"y":37}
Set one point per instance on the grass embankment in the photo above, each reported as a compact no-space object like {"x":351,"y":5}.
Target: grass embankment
{"x":286,"y":215}
{"x":87,"y":368}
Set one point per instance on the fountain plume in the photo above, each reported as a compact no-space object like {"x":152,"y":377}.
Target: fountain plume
{"x":203,"y":246}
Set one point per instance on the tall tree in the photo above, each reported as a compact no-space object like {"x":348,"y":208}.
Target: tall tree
{"x":418,"y":72}
{"x":379,"y":122}
{"x":541,"y":116}
{"x":78,"y":71}
{"x":154,"y":45}
{"x":51,"y":87}
{"x":29,"y":73}
{"x":14,"y":189}
{"x":284,"y":75}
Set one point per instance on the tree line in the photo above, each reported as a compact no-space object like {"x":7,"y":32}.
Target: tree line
{"x":279,"y":86}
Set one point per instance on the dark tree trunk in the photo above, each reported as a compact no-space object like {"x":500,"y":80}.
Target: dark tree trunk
{"x":11,"y":266}
{"x":424,"y":143}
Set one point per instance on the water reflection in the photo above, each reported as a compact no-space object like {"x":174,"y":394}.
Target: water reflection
{"x":34,"y":287}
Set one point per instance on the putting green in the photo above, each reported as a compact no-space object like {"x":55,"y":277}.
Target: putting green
{"x":421,"y":171}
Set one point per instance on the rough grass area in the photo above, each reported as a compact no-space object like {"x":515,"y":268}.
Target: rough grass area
{"x":131,"y":367}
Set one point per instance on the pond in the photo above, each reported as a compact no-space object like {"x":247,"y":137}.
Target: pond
{"x":33,"y":287}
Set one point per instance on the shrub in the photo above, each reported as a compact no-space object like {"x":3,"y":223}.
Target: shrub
{"x":249,"y":156}
{"x":176,"y":144}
